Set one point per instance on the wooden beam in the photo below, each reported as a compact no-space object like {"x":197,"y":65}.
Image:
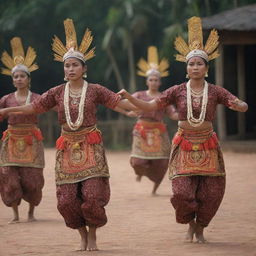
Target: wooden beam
{"x":241,"y":88}
{"x":219,"y":80}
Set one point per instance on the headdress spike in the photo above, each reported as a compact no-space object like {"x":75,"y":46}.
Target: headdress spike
{"x":18,"y":61}
{"x":195,"y":45}
{"x":71,"y":49}
{"x":152,"y":63}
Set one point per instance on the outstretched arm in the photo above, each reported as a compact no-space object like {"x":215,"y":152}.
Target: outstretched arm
{"x":143,"y":105}
{"x":238,"y":105}
{"x":25,"y":110}
{"x":130,"y":113}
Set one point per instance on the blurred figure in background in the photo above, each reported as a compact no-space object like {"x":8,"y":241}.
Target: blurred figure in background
{"x":151,"y":145}
{"x":21,"y":153}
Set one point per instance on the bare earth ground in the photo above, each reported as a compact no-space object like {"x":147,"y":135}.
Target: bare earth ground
{"x":138,"y":223}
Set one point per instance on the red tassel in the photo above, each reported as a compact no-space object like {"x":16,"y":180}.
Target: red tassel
{"x":186,"y":145}
{"x":177,"y":139}
{"x":60,"y":143}
{"x":5,"y":133}
{"x":37,"y":133}
{"x":94,"y":138}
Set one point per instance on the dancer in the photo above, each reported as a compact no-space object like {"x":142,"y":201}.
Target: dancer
{"x":151,"y":145}
{"x":21,"y":153}
{"x":196,"y":163}
{"x":82,"y":174}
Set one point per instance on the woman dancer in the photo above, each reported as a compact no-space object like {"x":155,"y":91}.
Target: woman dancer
{"x":21,"y":153}
{"x":151,"y":145}
{"x":196,"y":163}
{"x":82,"y":175}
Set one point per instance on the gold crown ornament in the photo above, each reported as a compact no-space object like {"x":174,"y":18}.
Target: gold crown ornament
{"x":19,"y":61}
{"x":195,"y":47}
{"x":152,"y":66}
{"x":71,"y":50}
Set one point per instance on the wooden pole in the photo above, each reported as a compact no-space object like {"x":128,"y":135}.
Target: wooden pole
{"x":219,"y":78}
{"x":241,"y":88}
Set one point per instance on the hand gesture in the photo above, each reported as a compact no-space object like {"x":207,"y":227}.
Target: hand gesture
{"x":124,"y":94}
{"x":234,"y":104}
{"x":133,"y":113}
{"x":2,"y":114}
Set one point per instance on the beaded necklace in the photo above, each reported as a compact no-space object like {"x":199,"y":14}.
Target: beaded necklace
{"x":27,"y":99}
{"x":75,"y":125}
{"x":195,"y":122}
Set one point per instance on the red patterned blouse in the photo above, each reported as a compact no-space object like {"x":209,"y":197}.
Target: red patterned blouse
{"x":11,"y":101}
{"x":95,"y":95}
{"x":156,"y":115}
{"x":177,"y":95}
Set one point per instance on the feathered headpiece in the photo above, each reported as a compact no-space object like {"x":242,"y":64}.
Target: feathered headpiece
{"x":195,"y":45}
{"x":19,"y":61}
{"x":71,"y":49}
{"x":146,"y":68}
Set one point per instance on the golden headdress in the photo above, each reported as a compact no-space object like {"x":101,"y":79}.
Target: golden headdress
{"x":146,"y":68}
{"x":19,"y":61}
{"x":71,"y":49}
{"x":195,"y":45}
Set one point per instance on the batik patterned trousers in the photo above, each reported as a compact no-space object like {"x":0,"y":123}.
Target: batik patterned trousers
{"x":82,"y":203}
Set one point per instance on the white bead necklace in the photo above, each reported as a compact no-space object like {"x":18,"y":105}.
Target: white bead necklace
{"x":74,"y":126}
{"x":27,"y":99}
{"x":195,"y":122}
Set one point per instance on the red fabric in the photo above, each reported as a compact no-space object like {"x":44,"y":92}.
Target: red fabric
{"x":18,"y":183}
{"x":211,"y":143}
{"x":197,"y":197}
{"x":60,"y":143}
{"x":38,"y":135}
{"x":10,"y":101}
{"x":95,"y":95}
{"x":94,"y":137}
{"x":177,"y":95}
{"x":5,"y":133}
{"x":155,"y":115}
{"x":142,"y":126}
{"x":83,"y":203}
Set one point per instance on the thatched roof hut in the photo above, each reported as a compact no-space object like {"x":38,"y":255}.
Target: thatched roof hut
{"x":236,"y":68}
{"x":239,"y":19}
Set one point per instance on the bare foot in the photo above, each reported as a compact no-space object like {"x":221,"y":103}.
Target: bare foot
{"x":92,"y":246}
{"x":31,"y":218}
{"x":31,"y":213}
{"x":191,"y":231}
{"x":83,"y":234}
{"x":156,"y":185}
{"x":14,"y":220}
{"x":200,"y":234}
{"x":138,"y":178}
{"x":15,"y":210}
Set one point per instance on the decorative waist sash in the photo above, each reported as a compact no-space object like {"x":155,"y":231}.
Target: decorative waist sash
{"x":143,"y":126}
{"x":90,"y":134}
{"x":22,"y":146}
{"x":150,"y":140}
{"x":80,"y":155}
{"x":195,"y":140}
{"x":196,"y":153}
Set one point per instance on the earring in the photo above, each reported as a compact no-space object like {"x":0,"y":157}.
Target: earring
{"x":84,"y":75}
{"x":65,"y":79}
{"x":187,"y":76}
{"x":206,"y":74}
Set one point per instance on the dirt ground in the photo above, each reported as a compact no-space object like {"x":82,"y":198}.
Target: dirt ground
{"x":138,"y":223}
